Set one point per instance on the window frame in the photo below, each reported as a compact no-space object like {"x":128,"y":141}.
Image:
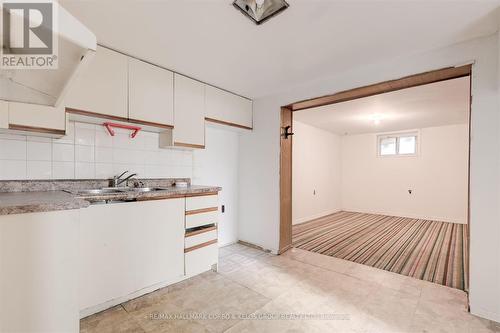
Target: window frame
{"x":397,"y":135}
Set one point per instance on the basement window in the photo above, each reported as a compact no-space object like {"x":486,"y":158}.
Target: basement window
{"x":397,"y":144}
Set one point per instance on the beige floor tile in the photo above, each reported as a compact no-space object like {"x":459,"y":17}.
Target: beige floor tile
{"x":113,"y":320}
{"x":255,"y":291}
{"x":316,"y":259}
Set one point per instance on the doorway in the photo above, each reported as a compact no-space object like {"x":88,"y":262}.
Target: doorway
{"x":402,"y":226}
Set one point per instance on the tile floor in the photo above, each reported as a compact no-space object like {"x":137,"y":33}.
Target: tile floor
{"x":300,"y":285}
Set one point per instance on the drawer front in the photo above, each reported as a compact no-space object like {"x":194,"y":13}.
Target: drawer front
{"x":206,"y":201}
{"x":201,"y":219}
{"x":200,"y":238}
{"x":201,"y":260}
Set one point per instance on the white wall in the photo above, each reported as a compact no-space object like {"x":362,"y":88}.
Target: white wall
{"x":259,"y":157}
{"x":437,"y":176}
{"x":218,"y":165}
{"x":316,"y":171}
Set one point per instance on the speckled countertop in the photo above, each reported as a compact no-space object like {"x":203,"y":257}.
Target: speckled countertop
{"x":45,"y":201}
{"x":19,"y":202}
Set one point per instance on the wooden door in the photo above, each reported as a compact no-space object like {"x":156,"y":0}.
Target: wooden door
{"x":286,"y":180}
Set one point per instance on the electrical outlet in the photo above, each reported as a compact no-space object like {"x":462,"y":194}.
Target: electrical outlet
{"x":223,"y":208}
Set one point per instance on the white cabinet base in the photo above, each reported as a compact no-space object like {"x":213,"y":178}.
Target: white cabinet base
{"x":201,"y":260}
{"x":39,"y":272}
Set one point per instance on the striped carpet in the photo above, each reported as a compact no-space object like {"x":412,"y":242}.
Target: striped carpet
{"x":423,"y":249}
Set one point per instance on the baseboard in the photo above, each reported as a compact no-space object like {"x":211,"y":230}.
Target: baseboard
{"x":411,"y":216}
{"x":258,"y":247}
{"x":315,"y":216}
{"x":227,"y":243}
{"x":478,"y":311}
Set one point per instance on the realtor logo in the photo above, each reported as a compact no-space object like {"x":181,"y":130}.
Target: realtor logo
{"x":28,"y":40}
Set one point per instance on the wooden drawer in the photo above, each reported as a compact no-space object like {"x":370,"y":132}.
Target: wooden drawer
{"x":201,"y":236}
{"x":201,"y":219}
{"x":202,"y":202}
{"x":201,"y":259}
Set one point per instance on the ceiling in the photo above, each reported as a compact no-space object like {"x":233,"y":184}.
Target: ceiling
{"x":435,"y":104}
{"x":213,"y":42}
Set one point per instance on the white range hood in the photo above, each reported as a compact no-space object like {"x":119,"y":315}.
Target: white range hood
{"x":76,"y":46}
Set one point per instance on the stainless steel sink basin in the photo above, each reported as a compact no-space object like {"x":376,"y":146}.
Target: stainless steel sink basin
{"x":103,"y":191}
{"x":146,"y":189}
{"x":114,"y":190}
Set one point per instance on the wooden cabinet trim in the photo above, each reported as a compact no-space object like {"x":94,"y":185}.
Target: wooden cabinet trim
{"x":177,"y":196}
{"x":199,"y":246}
{"x":202,"y":210}
{"x":188,"y":145}
{"x":201,"y":231}
{"x":149,"y":123}
{"x":37,"y":129}
{"x":94,"y":114}
{"x":227,"y":123}
{"x":105,"y":116}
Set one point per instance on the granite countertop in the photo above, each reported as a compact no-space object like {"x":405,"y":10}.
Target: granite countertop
{"x":44,"y":201}
{"x":38,"y":201}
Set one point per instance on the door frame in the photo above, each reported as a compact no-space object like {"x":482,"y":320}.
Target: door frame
{"x":447,"y":73}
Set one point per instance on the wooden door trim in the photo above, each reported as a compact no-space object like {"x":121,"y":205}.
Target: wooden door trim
{"x":285,"y":238}
{"x":443,"y":74}
{"x":384,"y":87}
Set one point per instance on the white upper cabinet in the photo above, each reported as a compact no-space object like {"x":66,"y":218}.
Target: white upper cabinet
{"x":189,"y":113}
{"x":4,"y":115}
{"x":35,"y":118}
{"x":228,"y":108}
{"x":102,"y":86}
{"x":151,"y":93}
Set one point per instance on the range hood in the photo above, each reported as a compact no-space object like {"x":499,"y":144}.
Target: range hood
{"x":76,"y":45}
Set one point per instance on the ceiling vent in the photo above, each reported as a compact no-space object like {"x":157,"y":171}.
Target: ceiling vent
{"x":260,"y":11}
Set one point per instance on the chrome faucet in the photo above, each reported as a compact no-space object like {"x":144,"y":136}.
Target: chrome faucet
{"x":117,"y":180}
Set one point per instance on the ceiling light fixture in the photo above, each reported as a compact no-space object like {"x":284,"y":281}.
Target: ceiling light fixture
{"x":376,"y":118}
{"x":259,"y":11}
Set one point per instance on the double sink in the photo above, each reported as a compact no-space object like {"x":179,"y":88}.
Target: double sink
{"x":115,"y":190}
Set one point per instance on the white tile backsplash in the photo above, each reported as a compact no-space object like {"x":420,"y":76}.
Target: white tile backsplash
{"x":84,"y":134}
{"x":63,"y":152}
{"x":63,"y":170}
{"x":39,"y":170}
{"x":88,"y":151}
{"x":103,"y":155}
{"x":12,"y":149}
{"x":11,"y":169}
{"x":39,"y":150}
{"x":84,"y":154}
{"x":103,"y":170}
{"x":84,"y":170}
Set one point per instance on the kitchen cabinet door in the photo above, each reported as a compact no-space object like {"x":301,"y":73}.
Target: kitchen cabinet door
{"x":41,"y":118}
{"x":151,"y":93}
{"x":39,"y":272}
{"x":189,"y":111}
{"x":228,"y":108}
{"x":129,"y":247}
{"x":102,"y":87}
